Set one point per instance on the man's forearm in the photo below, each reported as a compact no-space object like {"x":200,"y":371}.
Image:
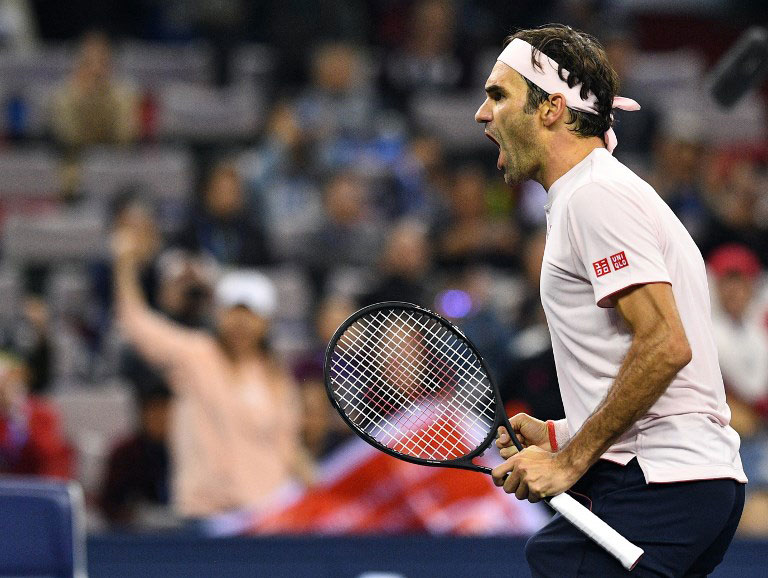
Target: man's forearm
{"x":647,"y":371}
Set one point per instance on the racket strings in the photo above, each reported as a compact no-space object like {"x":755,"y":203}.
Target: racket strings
{"x":481,"y":383}
{"x":427,"y":387}
{"x":464,"y":394}
{"x":441,"y":429}
{"x":398,"y":401}
{"x":417,"y":420}
{"x":412,"y":384}
{"x":478,"y":378}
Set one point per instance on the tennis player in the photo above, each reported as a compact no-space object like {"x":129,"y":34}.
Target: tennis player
{"x":646,"y":440}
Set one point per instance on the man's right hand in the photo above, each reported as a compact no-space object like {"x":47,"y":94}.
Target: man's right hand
{"x":529,"y":430}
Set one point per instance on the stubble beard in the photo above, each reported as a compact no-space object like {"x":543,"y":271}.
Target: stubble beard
{"x":522,"y":165}
{"x":515,"y":172}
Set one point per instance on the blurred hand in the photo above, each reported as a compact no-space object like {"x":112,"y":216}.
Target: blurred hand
{"x":126,"y":246}
{"x":529,"y":431}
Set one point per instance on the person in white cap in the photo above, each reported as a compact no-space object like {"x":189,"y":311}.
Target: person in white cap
{"x":646,"y":437}
{"x":236,"y":421}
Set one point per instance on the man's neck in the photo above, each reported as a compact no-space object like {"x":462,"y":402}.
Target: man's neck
{"x":563,"y":154}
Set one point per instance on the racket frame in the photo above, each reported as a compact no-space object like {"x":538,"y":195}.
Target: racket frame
{"x":464,"y":462}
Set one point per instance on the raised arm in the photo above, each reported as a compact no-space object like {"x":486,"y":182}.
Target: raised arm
{"x":160,"y":341}
{"x":658,"y":352}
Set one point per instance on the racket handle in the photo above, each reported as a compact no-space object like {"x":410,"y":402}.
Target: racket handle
{"x":602,"y":534}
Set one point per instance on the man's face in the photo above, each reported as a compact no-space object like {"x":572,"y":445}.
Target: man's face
{"x":506,"y":123}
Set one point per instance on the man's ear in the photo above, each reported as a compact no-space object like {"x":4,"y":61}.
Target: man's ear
{"x":552,"y":109}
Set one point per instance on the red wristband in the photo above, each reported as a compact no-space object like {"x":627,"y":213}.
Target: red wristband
{"x":552,"y":436}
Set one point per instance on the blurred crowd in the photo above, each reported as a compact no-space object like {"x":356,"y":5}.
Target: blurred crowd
{"x":174,"y":364}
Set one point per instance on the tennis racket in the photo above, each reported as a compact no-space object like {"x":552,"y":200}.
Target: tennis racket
{"x":412,"y":385}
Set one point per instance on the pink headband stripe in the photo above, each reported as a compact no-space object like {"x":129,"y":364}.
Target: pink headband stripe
{"x":517,"y":55}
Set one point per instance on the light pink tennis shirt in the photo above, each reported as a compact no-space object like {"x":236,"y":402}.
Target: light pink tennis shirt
{"x":608,"y":230}
{"x":234,"y":430}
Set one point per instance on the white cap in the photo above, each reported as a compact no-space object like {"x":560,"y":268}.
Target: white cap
{"x":250,"y":289}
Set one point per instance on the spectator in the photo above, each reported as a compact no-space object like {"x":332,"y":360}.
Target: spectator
{"x":530,"y":381}
{"x":31,"y":441}
{"x":742,"y":346}
{"x":235,"y":433}
{"x":186,"y":287}
{"x":282,"y":176}
{"x":132,"y":208}
{"x":349,"y":236}
{"x":339,"y":101}
{"x":323,"y":429}
{"x":419,"y":180}
{"x":426,"y":59}
{"x":137,"y":472}
{"x":404,"y":266}
{"x":18,"y":25}
{"x":738,"y":212}
{"x":637,"y":131}
{"x":26,"y":328}
{"x":92,"y":107}
{"x":223,"y":225}
{"x":467,"y":298}
{"x":470,"y":234}
{"x":184,"y":295}
{"x":680,"y":159}
{"x":35,"y":343}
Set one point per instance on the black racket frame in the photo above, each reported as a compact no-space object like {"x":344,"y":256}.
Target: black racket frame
{"x":463,"y":462}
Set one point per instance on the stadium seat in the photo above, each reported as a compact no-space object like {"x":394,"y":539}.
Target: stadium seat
{"x":43,"y":527}
{"x":150,"y":65}
{"x":49,"y":63}
{"x":26,"y":109}
{"x":667,"y":71}
{"x":53,"y":238}
{"x":742,"y":125}
{"x":94,"y":419}
{"x":253,"y":64}
{"x":11,"y":288}
{"x":164,"y":171}
{"x":451,"y":118}
{"x":29,"y":174}
{"x":207,"y":114}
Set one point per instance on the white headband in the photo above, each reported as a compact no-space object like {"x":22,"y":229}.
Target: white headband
{"x":517,"y":55}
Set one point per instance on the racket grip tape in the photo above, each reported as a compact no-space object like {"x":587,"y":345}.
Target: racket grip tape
{"x":601,"y":533}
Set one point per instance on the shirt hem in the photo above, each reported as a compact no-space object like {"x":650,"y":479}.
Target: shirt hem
{"x":682,"y":474}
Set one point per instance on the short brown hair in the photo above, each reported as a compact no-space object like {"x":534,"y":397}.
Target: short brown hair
{"x":585,"y":60}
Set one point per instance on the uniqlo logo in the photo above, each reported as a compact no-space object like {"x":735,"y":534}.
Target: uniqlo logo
{"x":619,"y":261}
{"x":601,"y":267}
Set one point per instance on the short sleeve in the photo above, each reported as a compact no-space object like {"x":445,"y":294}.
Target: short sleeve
{"x":616,"y":239}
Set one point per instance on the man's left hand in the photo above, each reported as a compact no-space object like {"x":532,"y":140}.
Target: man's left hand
{"x":535,"y":474}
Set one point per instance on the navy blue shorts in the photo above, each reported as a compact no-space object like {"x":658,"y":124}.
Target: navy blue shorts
{"x":684,"y":527}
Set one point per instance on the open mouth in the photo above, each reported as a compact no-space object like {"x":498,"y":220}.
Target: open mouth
{"x":500,"y":160}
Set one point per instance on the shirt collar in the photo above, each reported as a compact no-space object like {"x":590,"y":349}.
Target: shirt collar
{"x":564,"y":181}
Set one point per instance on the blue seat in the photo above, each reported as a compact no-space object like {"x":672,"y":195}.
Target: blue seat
{"x":42,"y":524}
